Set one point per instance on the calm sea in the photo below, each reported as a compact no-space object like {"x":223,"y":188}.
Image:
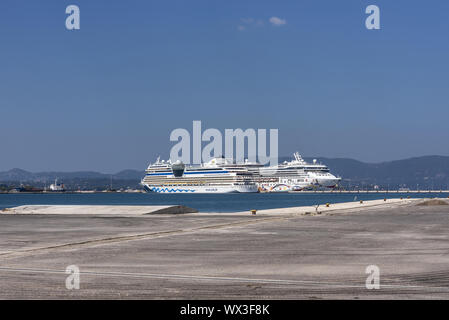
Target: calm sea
{"x":203,"y":202}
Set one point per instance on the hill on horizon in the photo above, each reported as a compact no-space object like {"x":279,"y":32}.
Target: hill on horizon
{"x":417,"y":172}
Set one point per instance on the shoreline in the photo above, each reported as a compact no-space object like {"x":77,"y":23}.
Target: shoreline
{"x":306,"y":204}
{"x":121,"y":210}
{"x":323,"y":209}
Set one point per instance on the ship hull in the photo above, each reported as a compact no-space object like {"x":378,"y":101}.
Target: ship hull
{"x":282,"y":187}
{"x":202,"y":189}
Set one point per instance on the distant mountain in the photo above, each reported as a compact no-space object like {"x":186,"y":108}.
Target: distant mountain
{"x":422,"y":172}
{"x":129,"y":174}
{"x":14,"y":175}
{"x":22,"y":175}
{"x":74,"y":180}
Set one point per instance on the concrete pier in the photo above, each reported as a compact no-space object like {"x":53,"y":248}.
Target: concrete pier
{"x":282,"y":254}
{"x":98,"y":210}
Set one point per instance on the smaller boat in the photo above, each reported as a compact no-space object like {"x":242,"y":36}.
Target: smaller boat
{"x":57,"y":187}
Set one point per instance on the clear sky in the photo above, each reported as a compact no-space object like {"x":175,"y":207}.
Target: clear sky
{"x":107,"y":96}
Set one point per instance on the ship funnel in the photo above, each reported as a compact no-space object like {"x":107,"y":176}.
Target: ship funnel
{"x":178,"y":168}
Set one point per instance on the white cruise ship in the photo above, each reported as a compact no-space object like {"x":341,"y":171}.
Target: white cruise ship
{"x":212,"y":177}
{"x":295,"y":175}
{"x":318,"y":172}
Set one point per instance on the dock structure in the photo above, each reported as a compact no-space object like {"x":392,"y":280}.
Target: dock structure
{"x":317,"y":252}
{"x":110,"y":210}
{"x":372,"y":191}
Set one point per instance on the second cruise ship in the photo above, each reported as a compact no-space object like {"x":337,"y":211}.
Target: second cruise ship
{"x":296,"y":175}
{"x":212,"y":177}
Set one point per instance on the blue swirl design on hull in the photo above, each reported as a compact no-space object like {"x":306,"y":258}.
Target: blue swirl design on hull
{"x":155,"y":189}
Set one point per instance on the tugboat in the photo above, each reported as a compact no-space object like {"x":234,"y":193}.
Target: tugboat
{"x":57,"y":187}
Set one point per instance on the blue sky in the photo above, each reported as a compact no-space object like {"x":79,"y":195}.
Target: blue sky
{"x":107,"y":96}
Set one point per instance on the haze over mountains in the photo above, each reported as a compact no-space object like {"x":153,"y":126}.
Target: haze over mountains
{"x":83,"y":180}
{"x":26,"y":176}
{"x":427,"y":172}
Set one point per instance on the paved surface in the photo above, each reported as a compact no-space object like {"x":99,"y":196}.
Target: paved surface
{"x":323,"y":208}
{"x":217,"y":256}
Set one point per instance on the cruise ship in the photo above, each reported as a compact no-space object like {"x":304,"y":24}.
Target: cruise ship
{"x":318,"y":172}
{"x":212,"y":177}
{"x":222,"y":175}
{"x":295,"y":175}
